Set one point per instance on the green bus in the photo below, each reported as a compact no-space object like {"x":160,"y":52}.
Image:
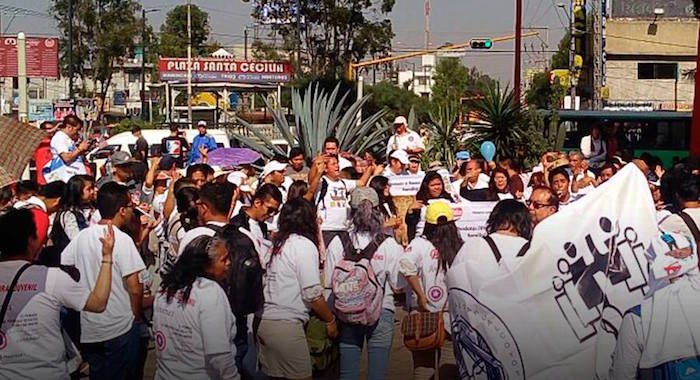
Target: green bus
{"x":665,"y":134}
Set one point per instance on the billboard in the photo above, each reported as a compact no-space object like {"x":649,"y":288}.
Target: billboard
{"x":225,"y":70}
{"x":645,"y":8}
{"x":42,"y":57}
{"x":40,"y":109}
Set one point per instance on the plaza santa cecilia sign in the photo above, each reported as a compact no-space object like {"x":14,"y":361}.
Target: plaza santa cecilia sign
{"x":225,"y":70}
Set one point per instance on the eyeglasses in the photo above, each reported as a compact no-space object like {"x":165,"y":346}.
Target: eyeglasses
{"x":537,"y":205}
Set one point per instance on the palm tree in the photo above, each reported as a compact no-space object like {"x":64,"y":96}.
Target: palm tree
{"x":444,"y":135}
{"x":505,"y":120}
{"x":318,"y":115}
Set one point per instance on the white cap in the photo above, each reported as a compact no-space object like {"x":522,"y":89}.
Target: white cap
{"x":239,"y":179}
{"x":401,"y":155}
{"x":272,"y":166}
{"x":344,"y":163}
{"x":202,"y":123}
{"x":400,"y":120}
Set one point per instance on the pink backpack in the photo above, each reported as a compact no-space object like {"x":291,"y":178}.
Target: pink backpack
{"x":358,"y":294}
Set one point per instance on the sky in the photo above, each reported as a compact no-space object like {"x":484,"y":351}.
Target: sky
{"x":453,"y":21}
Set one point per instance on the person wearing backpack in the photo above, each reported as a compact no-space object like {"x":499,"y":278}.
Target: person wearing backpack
{"x":213,"y":208}
{"x":687,"y":193}
{"x":362,"y":273}
{"x":292,"y":289}
{"x":509,"y":228}
{"x":433,"y":253}
{"x":658,"y":339}
{"x":248,"y":244}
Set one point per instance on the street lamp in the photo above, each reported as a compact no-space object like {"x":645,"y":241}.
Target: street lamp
{"x":653,"y":27}
{"x":143,"y":60}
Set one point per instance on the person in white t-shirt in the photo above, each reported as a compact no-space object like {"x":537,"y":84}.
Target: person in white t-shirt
{"x":292,"y":289}
{"x":414,"y":165}
{"x":368,"y":224}
{"x":687,"y":195}
{"x":593,"y":147}
{"x":112,"y":341}
{"x":67,"y":156}
{"x":582,"y":179}
{"x":404,"y":138}
{"x":331,"y":147}
{"x":192,"y":321}
{"x":31,"y":343}
{"x":472,"y":177}
{"x":398,"y":162}
{"x":433,"y":253}
{"x":213,"y":209}
{"x":509,"y":228}
{"x":332,"y":197}
{"x":559,"y":181}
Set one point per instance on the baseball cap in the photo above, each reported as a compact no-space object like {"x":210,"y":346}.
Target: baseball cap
{"x":414,"y":158}
{"x":239,"y":179}
{"x":400,"y":155}
{"x":344,"y":163}
{"x":400,"y":120}
{"x":462,"y":155}
{"x":272,"y":166}
{"x":122,"y":158}
{"x":436,"y":210}
{"x":201,"y":123}
{"x":362,"y":194}
{"x":435,"y":165}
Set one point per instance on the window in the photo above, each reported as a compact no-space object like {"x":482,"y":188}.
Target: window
{"x":422,"y":81}
{"x":656,"y":70}
{"x":134,"y":77}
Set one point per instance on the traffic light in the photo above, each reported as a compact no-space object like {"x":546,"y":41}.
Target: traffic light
{"x":480,"y":43}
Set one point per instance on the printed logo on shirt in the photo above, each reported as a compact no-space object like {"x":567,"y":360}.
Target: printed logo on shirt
{"x":3,"y":340}
{"x":410,"y":138}
{"x":435,"y":293}
{"x":160,"y":340}
{"x":435,"y":254}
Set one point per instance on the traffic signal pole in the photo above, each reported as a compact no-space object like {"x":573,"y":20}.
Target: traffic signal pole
{"x":518,"y":44}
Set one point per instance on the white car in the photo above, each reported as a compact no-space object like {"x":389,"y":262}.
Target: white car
{"x":125,"y":141}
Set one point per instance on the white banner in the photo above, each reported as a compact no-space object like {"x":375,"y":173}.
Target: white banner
{"x":554,"y":313}
{"x":404,"y":185}
{"x":471,"y":217}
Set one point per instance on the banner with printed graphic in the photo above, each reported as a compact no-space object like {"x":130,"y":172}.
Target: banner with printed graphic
{"x":554,"y":313}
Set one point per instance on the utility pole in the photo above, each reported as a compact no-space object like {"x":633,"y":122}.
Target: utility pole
{"x":518,"y":43}
{"x":598,"y":16}
{"x":245,"y":43}
{"x":298,"y":20}
{"x":427,"y":24}
{"x":22,"y":77}
{"x":189,"y":63}
{"x":70,"y":49}
{"x":143,"y":64}
{"x":572,"y":55}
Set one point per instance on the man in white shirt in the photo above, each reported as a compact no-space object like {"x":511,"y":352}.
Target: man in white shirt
{"x":398,"y":161}
{"x":112,"y":342}
{"x":213,"y":209}
{"x":593,"y":147}
{"x":559,"y":182}
{"x":67,"y":156}
{"x":404,"y":139}
{"x":414,"y":165}
{"x":31,"y":342}
{"x":331,"y":146}
{"x":472,"y":177}
{"x":582,"y":179}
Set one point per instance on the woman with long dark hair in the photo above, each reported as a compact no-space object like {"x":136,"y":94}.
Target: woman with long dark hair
{"x":508,"y":228}
{"x":432,"y":188}
{"x":75,"y":211}
{"x":292,"y":289}
{"x":500,"y":185}
{"x":433,"y":253}
{"x":193,"y":323}
{"x":368,"y":229}
{"x":380,"y":184}
{"x":183,"y":219}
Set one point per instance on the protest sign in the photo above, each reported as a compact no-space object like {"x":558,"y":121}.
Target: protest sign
{"x":554,"y":313}
{"x":405,"y":185}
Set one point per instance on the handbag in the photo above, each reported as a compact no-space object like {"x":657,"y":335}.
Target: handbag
{"x":323,"y":350}
{"x":423,"y":331}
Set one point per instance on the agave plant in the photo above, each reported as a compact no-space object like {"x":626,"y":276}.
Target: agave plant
{"x":444,"y":135}
{"x":505,"y":120}
{"x":318,"y":115}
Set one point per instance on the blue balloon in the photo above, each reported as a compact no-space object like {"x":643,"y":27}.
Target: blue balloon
{"x":488,"y":150}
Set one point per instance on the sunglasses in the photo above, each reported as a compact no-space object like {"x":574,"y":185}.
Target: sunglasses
{"x":537,"y":205}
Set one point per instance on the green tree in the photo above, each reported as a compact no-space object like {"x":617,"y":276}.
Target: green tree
{"x":331,"y":33}
{"x":103,"y":40}
{"x":173,"y":33}
{"x":453,"y":80}
{"x":397,"y":99}
{"x":560,"y":59}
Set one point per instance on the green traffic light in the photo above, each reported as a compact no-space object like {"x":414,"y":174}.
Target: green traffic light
{"x":488,"y":43}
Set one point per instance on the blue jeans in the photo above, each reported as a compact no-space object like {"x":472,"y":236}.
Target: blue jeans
{"x":117,"y":358}
{"x":379,"y":337}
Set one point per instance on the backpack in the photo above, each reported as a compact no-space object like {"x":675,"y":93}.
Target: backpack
{"x":244,"y":282}
{"x":497,"y":253}
{"x":358,"y":293}
{"x":681,"y":369}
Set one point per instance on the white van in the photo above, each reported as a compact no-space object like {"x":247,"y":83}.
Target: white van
{"x":125,"y":141}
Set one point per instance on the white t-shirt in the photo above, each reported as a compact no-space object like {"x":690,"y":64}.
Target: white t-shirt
{"x":184,"y":335}
{"x":31,"y":343}
{"x":674,"y":223}
{"x":390,"y":173}
{"x":195,"y":233}
{"x":334,"y":208}
{"x":292,"y":270}
{"x":409,"y":140}
{"x":385,"y":263}
{"x":85,"y":253}
{"x":482,"y":182}
{"x":58,"y":169}
{"x":479,"y":255}
{"x":426,"y":258}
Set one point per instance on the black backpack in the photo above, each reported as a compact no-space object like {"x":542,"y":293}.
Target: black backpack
{"x":244,"y":282}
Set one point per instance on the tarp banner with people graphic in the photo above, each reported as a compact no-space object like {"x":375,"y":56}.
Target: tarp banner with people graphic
{"x":554,"y":313}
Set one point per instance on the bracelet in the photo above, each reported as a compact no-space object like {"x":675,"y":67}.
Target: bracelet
{"x":107,"y":262}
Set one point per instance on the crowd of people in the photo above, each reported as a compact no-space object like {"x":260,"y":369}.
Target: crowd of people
{"x":217,"y":265}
